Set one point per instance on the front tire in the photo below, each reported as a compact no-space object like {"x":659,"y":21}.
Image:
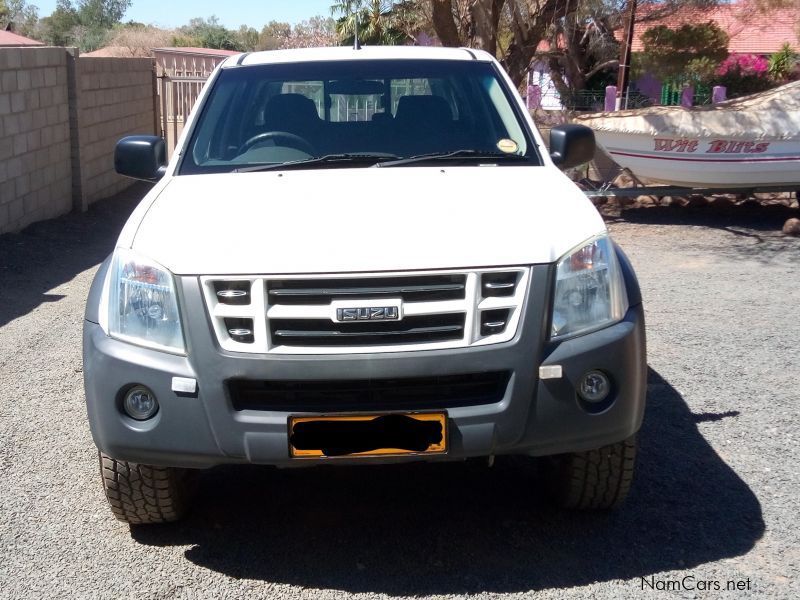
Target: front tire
{"x":144,"y":494}
{"x":591,"y":480}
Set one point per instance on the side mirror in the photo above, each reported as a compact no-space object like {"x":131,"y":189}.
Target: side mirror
{"x":141,"y":157}
{"x":571,"y":145}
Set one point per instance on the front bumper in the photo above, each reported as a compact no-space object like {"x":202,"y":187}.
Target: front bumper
{"x":202,"y":430}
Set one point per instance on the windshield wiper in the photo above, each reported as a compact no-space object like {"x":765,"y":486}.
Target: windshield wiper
{"x":479,"y":154}
{"x":372,"y":157}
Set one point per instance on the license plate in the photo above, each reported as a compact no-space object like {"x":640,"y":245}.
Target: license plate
{"x":367,"y":435}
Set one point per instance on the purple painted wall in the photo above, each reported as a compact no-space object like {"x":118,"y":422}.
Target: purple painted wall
{"x":650,"y":86}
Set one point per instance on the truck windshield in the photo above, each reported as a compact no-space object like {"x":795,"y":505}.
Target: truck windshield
{"x":360,"y":112}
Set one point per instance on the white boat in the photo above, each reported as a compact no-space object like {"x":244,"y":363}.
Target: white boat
{"x":746,"y":142}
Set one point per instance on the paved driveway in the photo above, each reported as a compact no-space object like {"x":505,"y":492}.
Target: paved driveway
{"x":716,"y":497}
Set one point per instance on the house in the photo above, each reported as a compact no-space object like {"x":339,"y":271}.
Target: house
{"x":750,"y":32}
{"x":11,"y":39}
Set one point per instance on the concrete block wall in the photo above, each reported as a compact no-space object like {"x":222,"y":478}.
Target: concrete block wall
{"x":60,"y":117}
{"x":115,"y":99}
{"x":35,"y":169}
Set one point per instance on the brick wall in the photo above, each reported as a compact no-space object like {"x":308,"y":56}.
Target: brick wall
{"x":59,"y":120}
{"x":35,"y":169}
{"x":115,"y":99}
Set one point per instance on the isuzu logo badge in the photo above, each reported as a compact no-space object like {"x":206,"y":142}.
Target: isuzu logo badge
{"x":368,"y":313}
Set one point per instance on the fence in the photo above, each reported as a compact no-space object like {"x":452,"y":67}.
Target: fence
{"x":176,"y":97}
{"x":60,"y":117}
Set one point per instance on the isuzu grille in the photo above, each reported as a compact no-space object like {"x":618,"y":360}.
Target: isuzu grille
{"x":366,"y":313}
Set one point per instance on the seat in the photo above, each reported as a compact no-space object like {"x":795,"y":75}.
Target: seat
{"x":294,"y":113}
{"x":425,"y":124}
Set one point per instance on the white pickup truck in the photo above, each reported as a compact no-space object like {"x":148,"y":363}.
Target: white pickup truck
{"x":362,"y":256}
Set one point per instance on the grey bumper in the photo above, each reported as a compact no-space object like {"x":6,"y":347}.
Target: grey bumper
{"x":534,"y":417}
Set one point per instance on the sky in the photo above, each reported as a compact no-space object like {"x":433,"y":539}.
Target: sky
{"x":231,"y":13}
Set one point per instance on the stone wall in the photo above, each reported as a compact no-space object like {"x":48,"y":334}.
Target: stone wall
{"x":35,"y":167}
{"x":60,"y":117}
{"x":115,"y":99}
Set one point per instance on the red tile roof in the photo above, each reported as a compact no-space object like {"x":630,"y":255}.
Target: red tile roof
{"x":750,"y":31}
{"x":9,"y":38}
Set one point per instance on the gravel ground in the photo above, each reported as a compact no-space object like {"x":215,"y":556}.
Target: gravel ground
{"x":715,"y":499}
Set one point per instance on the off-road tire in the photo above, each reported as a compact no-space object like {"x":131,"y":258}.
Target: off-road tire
{"x":591,"y":480}
{"x":144,"y":494}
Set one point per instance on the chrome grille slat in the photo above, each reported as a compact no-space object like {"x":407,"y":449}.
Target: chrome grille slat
{"x":438,"y":309}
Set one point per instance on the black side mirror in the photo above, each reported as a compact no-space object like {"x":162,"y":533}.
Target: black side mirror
{"x":141,"y":157}
{"x":571,"y":145}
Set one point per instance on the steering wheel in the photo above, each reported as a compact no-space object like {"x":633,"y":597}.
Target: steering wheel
{"x":289,"y":139}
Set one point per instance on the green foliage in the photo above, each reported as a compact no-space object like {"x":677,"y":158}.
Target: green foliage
{"x":101,"y":14}
{"x":273,"y":35}
{"x":208,"y":33}
{"x":690,"y":49}
{"x":86,"y":24}
{"x":59,"y":26}
{"x":247,"y":38}
{"x":783,"y":64}
{"x":24,"y":16}
{"x":377,"y":22}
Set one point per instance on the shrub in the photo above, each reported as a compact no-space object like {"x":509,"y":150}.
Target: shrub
{"x":744,"y":74}
{"x":783,"y":64}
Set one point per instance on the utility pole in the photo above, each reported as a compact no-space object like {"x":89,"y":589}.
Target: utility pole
{"x":625,"y":58}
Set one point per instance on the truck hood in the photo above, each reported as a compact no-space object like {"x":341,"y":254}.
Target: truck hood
{"x":343,"y":220}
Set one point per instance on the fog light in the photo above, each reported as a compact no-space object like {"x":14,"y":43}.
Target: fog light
{"x":594,"y":386}
{"x":140,"y":403}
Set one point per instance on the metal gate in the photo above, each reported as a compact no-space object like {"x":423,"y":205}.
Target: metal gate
{"x":176,"y":96}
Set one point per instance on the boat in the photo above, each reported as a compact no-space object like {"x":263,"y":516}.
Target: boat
{"x":747,"y":142}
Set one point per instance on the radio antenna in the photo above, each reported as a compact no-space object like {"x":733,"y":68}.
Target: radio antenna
{"x":356,"y":43}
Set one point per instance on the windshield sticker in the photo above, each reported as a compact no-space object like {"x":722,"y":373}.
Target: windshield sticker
{"x":507,"y":146}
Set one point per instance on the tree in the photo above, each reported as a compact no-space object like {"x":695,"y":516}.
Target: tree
{"x":690,"y":49}
{"x":208,"y":33}
{"x":101,"y":14}
{"x":58,"y":27}
{"x":783,"y":64}
{"x":22,"y":15}
{"x":247,"y":38}
{"x":583,"y":51}
{"x":137,"y":39}
{"x":86,"y":24}
{"x":313,"y":33}
{"x":376,"y":21}
{"x":484,"y":23}
{"x":274,"y":36}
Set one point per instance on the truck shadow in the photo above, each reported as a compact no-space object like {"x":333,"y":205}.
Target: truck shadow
{"x":49,"y":253}
{"x":463,"y":528}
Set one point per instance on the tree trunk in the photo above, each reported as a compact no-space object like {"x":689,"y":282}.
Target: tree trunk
{"x":529,"y":28}
{"x":444,"y":24}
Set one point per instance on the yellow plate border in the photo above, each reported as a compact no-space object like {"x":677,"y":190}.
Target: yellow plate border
{"x":438,"y":416}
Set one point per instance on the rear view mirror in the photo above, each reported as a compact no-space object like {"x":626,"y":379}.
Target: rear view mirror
{"x":571,"y":145}
{"x":141,"y":157}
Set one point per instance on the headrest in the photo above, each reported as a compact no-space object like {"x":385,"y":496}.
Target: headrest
{"x":289,"y":109}
{"x":423,"y":110}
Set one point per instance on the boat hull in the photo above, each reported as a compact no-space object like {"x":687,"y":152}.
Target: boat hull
{"x":705,"y":161}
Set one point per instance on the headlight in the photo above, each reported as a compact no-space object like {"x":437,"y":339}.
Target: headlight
{"x":141,"y":303}
{"x":589,"y":291}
